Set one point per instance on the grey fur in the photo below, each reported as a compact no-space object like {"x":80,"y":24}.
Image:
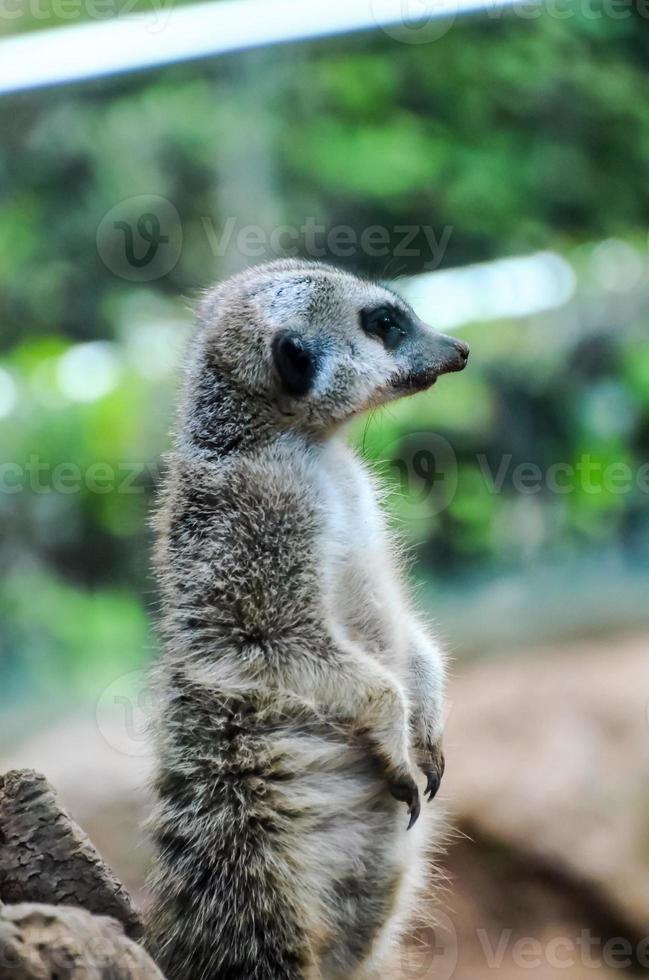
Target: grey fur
{"x":300,"y":697}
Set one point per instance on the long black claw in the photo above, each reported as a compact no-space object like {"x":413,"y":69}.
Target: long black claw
{"x":432,"y":785}
{"x":415,"y":810}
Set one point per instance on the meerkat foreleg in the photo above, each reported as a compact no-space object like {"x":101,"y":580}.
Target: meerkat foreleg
{"x":350,"y":685}
{"x":426,"y":690}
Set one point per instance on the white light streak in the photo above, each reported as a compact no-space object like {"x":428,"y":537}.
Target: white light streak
{"x":168,"y":35}
{"x":8,"y":394}
{"x":506,"y":288}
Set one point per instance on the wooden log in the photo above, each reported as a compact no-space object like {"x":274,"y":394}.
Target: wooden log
{"x":45,"y":857}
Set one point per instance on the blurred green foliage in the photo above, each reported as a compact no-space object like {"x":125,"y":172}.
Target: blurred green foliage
{"x":513,"y":133}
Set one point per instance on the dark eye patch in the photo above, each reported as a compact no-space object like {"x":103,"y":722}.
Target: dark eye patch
{"x":387,"y":323}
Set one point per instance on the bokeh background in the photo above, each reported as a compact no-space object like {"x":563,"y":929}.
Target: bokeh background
{"x":496,"y":171}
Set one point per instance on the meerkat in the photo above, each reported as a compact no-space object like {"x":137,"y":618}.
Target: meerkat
{"x":300,"y":696}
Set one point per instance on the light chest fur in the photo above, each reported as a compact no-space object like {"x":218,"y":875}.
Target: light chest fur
{"x":359,"y":557}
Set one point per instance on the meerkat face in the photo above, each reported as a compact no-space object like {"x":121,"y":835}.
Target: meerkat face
{"x":322,"y":345}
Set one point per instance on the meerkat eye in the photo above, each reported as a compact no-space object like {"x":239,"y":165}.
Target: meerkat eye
{"x":386,"y":324}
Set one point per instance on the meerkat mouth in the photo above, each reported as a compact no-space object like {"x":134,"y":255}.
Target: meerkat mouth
{"x":454,"y":359}
{"x":415,"y":381}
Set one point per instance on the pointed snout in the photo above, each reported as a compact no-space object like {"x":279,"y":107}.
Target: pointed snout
{"x":452,"y":354}
{"x":436,"y":354}
{"x":428,"y":355}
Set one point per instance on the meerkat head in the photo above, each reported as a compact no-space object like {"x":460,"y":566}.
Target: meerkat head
{"x":317,"y":345}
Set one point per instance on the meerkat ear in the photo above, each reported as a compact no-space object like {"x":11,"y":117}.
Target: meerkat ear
{"x":295,"y":362}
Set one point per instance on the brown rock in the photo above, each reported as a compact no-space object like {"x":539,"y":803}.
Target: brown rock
{"x":548,"y":754}
{"x":42,"y":942}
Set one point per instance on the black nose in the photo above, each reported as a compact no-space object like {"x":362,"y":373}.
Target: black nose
{"x":463,"y":351}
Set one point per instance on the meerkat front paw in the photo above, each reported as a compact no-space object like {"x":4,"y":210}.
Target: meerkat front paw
{"x":431,"y":762}
{"x":404,"y":788}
